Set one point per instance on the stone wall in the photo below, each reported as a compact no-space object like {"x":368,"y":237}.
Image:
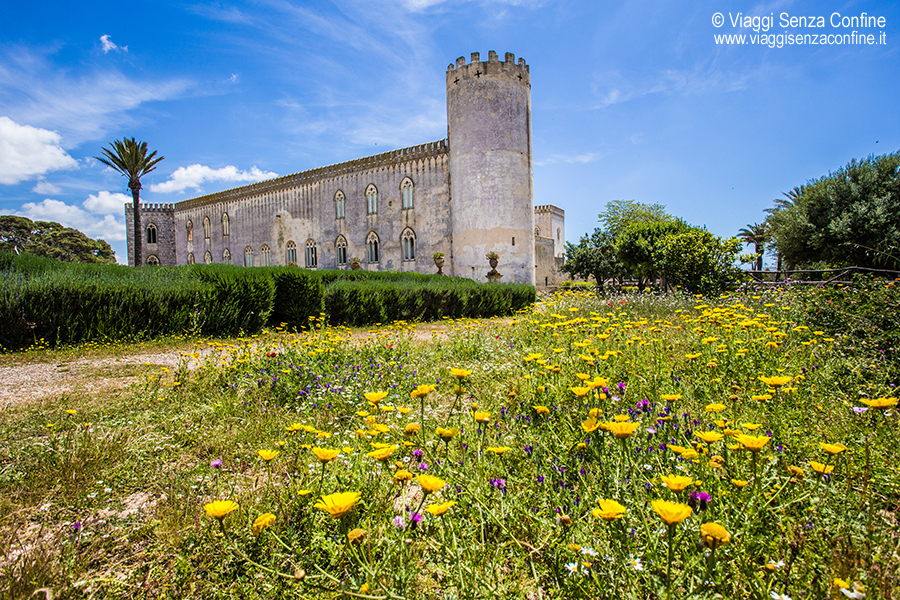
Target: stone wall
{"x":162,"y":217}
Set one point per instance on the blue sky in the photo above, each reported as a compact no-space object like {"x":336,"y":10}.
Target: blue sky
{"x":631,"y":100}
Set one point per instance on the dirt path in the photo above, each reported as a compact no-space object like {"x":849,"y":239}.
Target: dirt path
{"x":33,"y":381}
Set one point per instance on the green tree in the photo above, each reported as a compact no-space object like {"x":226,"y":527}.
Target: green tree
{"x":637,"y":244}
{"x":594,"y":256}
{"x":48,"y":238}
{"x":620,"y":214}
{"x":758,"y":235}
{"x":848,"y":217}
{"x":697,"y":261}
{"x":130,"y":158}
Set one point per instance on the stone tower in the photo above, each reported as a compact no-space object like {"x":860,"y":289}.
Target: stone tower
{"x":492,"y":197}
{"x":158,"y":223}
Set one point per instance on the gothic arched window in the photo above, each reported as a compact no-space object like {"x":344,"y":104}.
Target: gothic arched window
{"x":264,"y":254}
{"x":291,"y":253}
{"x":312,"y":259}
{"x":152,"y":261}
{"x":207,"y":258}
{"x":206,"y":228}
{"x":408,"y":241}
{"x":372,"y":247}
{"x":190,"y":258}
{"x":226,"y":225}
{"x":190,"y":230}
{"x":248,"y":256}
{"x":371,"y":200}
{"x":339,"y":205}
{"x":226,"y":257}
{"x":341,"y":249}
{"x":406,"y":193}
{"x":151,"y":233}
{"x":537,"y":230}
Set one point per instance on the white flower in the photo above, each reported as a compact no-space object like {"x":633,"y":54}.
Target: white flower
{"x":858,"y":591}
{"x":589,"y":551}
{"x":776,"y":565}
{"x":635,"y":563}
{"x":572,"y":567}
{"x":777,"y":596}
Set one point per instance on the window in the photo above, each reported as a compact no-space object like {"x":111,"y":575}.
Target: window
{"x":537,"y":231}
{"x":226,"y":257}
{"x":151,"y":234}
{"x":371,"y":200}
{"x":339,"y":205}
{"x":152,"y":261}
{"x":408,"y":241}
{"x":372,"y":247}
{"x":311,"y":259}
{"x":341,"y":247}
{"x":291,"y":253}
{"x":190,"y":231}
{"x":557,"y":234}
{"x":206,"y":228}
{"x":207,"y":258}
{"x":226,"y":224}
{"x":190,"y":258}
{"x":264,"y":254}
{"x":248,"y":256}
{"x":406,"y":193}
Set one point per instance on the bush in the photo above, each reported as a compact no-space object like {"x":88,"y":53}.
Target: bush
{"x":298,"y":296}
{"x":240,"y":301}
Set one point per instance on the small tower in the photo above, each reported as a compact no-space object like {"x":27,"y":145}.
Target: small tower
{"x":158,"y":223}
{"x":492,"y":196}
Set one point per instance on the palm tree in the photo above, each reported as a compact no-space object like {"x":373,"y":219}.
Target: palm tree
{"x":758,"y":235}
{"x":130,"y":158}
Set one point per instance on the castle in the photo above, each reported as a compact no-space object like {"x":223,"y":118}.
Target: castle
{"x":463,"y":196}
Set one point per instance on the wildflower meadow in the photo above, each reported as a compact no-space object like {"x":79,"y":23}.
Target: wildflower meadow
{"x":634,"y":446}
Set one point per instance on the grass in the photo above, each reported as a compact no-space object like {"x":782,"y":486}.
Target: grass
{"x":108,"y":502}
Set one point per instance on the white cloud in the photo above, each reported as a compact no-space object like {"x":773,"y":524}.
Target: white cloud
{"x":578,"y":159}
{"x":107,"y":227}
{"x":26,"y":152}
{"x":194,"y":176}
{"x":46,"y":188}
{"x":107,"y":203}
{"x":108,"y":45}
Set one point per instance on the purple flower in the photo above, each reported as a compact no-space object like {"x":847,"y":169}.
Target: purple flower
{"x":399,"y":522}
{"x":415,"y":517}
{"x":859,"y":409}
{"x":417,"y":453}
{"x":698,"y":499}
{"x":216,"y":464}
{"x":499,"y":484}
{"x":76,"y":527}
{"x":540,"y":479}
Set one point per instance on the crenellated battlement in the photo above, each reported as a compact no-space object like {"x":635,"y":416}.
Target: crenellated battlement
{"x":368,"y":163}
{"x":549,"y":209}
{"x":154,"y":207}
{"x":491,"y":68}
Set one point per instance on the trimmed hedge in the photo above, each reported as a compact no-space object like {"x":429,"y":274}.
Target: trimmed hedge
{"x":41,"y":298}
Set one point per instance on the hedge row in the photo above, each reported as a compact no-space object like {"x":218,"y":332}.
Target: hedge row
{"x":71,"y":303}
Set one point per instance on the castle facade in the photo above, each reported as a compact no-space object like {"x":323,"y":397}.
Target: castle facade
{"x":463,"y":196}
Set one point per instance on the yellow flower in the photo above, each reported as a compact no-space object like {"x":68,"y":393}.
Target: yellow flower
{"x":690,"y":454}
{"x":582,"y":376}
{"x":621,"y":430}
{"x":430,"y":483}
{"x":580,"y":391}
{"x":261,"y":522}
{"x":714,"y":535}
{"x":751,"y":426}
{"x":304,"y":492}
{"x":670,"y":397}
{"x":671,"y":512}
{"x":339,"y":504}
{"x":797,"y":472}
{"x":590,"y":425}
{"x":714,"y":408}
{"x":609,"y":510}
{"x":481,"y":417}
{"x":460,"y":373}
{"x":218,"y":509}
{"x":382,"y":454}
{"x":832,"y":448}
{"x":676,"y":449}
{"x":402,"y":475}
{"x":820,"y":468}
{"x":325,"y":454}
{"x":739,"y":482}
{"x":421,"y":391}
{"x":446,"y":434}
{"x":72,"y":411}
{"x":375,"y":397}
{"x":403,"y":409}
{"x":364,"y":588}
{"x":879,"y":402}
{"x":541,"y":410}
{"x":622,"y":418}
{"x":762,"y":397}
{"x":709,"y":436}
{"x":776,"y":381}
{"x":411,"y":429}
{"x":267,"y":455}
{"x":752,"y":443}
{"x":439,"y":509}
{"x":498,"y":449}
{"x":357,"y":536}
{"x":676,"y":483}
